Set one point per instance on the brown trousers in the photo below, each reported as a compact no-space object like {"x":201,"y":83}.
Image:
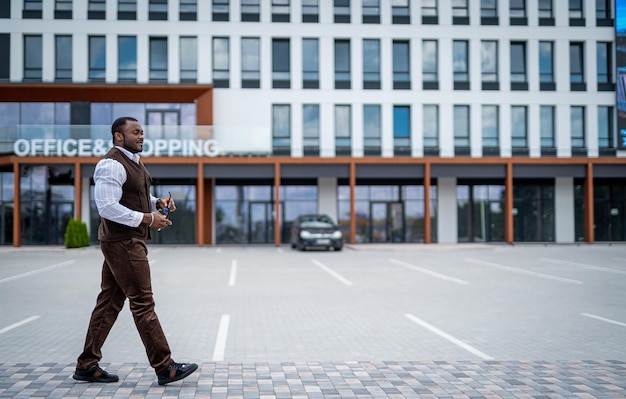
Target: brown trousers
{"x":125,"y":274}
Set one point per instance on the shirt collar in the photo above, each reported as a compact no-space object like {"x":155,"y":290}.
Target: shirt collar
{"x":130,"y":155}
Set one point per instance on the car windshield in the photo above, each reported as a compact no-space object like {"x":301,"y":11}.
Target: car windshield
{"x":317,"y":222}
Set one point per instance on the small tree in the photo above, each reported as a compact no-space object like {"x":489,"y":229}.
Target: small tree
{"x":76,"y":235}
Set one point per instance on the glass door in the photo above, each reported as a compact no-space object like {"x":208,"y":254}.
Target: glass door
{"x":387,"y":222}
{"x":261,"y":222}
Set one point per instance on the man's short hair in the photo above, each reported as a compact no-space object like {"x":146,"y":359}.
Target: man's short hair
{"x":119,"y":122}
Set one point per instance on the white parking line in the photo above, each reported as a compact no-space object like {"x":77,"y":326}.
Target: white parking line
{"x":429,"y":272}
{"x":21,"y":323}
{"x":222,"y":335}
{"x":522,"y":271}
{"x":583,"y":265}
{"x":449,"y":337}
{"x":331,"y":272}
{"x":593,"y":316}
{"x":233,"y":273}
{"x":43,"y":269}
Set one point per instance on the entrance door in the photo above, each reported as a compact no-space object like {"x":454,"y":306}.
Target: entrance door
{"x":387,"y":222}
{"x":261,"y":222}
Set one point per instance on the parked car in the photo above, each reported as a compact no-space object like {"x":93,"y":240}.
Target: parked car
{"x":317,"y":230}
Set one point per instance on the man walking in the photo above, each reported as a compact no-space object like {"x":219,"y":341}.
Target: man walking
{"x":127,"y":211}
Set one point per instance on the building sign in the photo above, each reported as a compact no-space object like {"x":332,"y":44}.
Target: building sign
{"x":99,"y":147}
{"x":620,"y":61}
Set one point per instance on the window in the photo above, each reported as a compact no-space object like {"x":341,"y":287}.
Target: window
{"x":577,"y":121}
{"x":371,"y":11}
{"x":400,"y":12}
{"x":221,"y":62}
{"x":401,"y":130}
{"x":63,"y":57}
{"x":281,"y":129}
{"x":341,"y":11}
{"x":221,"y":10}
{"x":576,"y":13}
{"x":604,"y":68}
{"x":127,"y":10}
{"x":430,"y":127}
{"x":250,"y":10}
{"x":311,"y":129}
{"x":517,"y":12}
{"x":310,"y":64}
{"x":401,"y":65}
{"x":5,"y":62}
{"x":188,"y":10}
{"x":188,"y":59}
{"x":33,"y":57}
{"x":547,"y":130}
{"x":546,"y":16}
{"x":32,"y":9}
{"x":576,"y":66}
{"x":97,"y":59}
{"x":430,"y":67}
{"x":250,"y":63}
{"x":461,"y":129}
{"x":158,"y":59}
{"x":127,"y":58}
{"x":546,"y":66}
{"x":5,"y":9}
{"x":342,"y":64}
{"x":489,"y":12}
{"x":280,"y":11}
{"x":518,"y":66}
{"x":490,"y":130}
{"x":430,"y":14}
{"x":63,"y":9}
{"x":157,"y":10}
{"x":310,"y":11}
{"x":281,"y":76}
{"x":519,"y":131}
{"x":461,"y":64}
{"x":96,"y":9}
{"x":603,"y":13}
{"x":489,"y":65}
{"x":343,"y":130}
{"x":371,"y":64}
{"x":372,"y":129}
{"x":605,"y":127}
{"x":460,"y":12}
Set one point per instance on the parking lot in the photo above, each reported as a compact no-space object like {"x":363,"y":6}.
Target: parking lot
{"x":369,"y":321}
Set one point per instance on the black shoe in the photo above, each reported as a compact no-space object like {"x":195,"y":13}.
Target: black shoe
{"x":94,"y":374}
{"x":176,"y":371}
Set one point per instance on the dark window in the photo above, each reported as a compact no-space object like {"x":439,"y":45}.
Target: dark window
{"x":517,"y":12}
{"x":402,"y":130}
{"x":281,"y":73}
{"x":605,"y":127}
{"x":604,"y":68}
{"x":221,"y":10}
{"x":576,"y":13}
{"x":371,"y":11}
{"x":371,"y":64}
{"x":342,"y":64}
{"x":157,"y":10}
{"x":460,"y":50}
{"x":400,"y":12}
{"x":221,"y":62}
{"x":460,"y":12}
{"x":63,"y":57}
{"x":577,"y":68}
{"x":343,"y":130}
{"x":158,"y":59}
{"x":127,"y":58}
{"x":63,"y":9}
{"x":33,"y":57}
{"x":310,"y":11}
{"x":96,"y":9}
{"x":127,"y":10}
{"x":5,"y":62}
{"x":430,"y":13}
{"x":310,"y":64}
{"x":342,"y":11}
{"x":280,"y":11}
{"x":188,"y":10}
{"x":518,"y":66}
{"x":401,"y":65}
{"x":5,"y":9}
{"x":372,"y":127}
{"x":603,"y":13}
{"x":32,"y":9}
{"x":250,"y":11}
{"x":97,"y":58}
{"x":250,"y":63}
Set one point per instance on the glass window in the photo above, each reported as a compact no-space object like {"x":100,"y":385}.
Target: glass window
{"x":372,"y":127}
{"x":546,"y":65}
{"x":518,"y":62}
{"x":489,"y":60}
{"x":250,"y":10}
{"x":488,"y":8}
{"x":5,"y":62}
{"x":341,"y":11}
{"x":221,"y":10}
{"x":430,"y":66}
{"x":96,"y":9}
{"x":310,"y":63}
{"x":577,"y":120}
{"x":490,"y":126}
{"x":546,"y":126}
{"x":603,"y":9}
{"x":158,"y":59}
{"x":281,"y":73}
{"x":63,"y":57}
{"x":430,"y":125}
{"x":576,"y":9}
{"x":460,"y":60}
{"x":310,"y":11}
{"x":127,"y":58}
{"x":188,"y":10}
{"x":221,"y":62}
{"x":461,"y":126}
{"x":371,"y":64}
{"x":371,"y":11}
{"x":250,"y":62}
{"x":517,"y":9}
{"x":281,"y":128}
{"x":519,"y":131}
{"x":188,"y":59}
{"x":32,"y":9}
{"x":280,"y":11}
{"x":127,"y":9}
{"x":605,"y":127}
{"x":311,"y":127}
{"x":545,"y":9}
{"x":402,"y":127}
{"x":342,"y":64}
{"x":33,"y":57}
{"x":460,"y":8}
{"x":343,"y":129}
{"x":401,"y":65}
{"x":576,"y":61}
{"x":429,"y":8}
{"x":400,"y":12}
{"x":603,"y":59}
{"x":63,"y":9}
{"x":157,"y":10}
{"x":97,"y":58}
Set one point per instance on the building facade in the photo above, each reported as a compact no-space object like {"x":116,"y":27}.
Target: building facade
{"x":406,"y":121}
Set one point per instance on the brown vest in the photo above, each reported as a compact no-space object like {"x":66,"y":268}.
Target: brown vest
{"x":135,"y":196}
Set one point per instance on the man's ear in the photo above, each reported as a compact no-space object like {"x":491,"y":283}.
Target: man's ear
{"x":119,"y":136}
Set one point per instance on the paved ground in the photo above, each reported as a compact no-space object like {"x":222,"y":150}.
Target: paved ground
{"x":435,"y":321}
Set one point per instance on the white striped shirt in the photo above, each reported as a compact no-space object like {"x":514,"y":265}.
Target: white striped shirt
{"x":110,"y":176}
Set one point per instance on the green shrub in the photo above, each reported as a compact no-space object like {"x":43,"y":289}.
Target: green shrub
{"x":76,"y":234}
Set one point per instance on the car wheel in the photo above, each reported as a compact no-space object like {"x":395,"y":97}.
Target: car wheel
{"x":301,"y":247}
{"x":293,"y":246}
{"x":338,"y":248}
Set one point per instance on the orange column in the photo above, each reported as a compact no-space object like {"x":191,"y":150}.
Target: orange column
{"x":277,"y":220}
{"x":200,"y":206}
{"x":17,"y":206}
{"x":427,"y":227}
{"x":352,"y":207}
{"x":508,"y":204}
{"x":588,"y":198}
